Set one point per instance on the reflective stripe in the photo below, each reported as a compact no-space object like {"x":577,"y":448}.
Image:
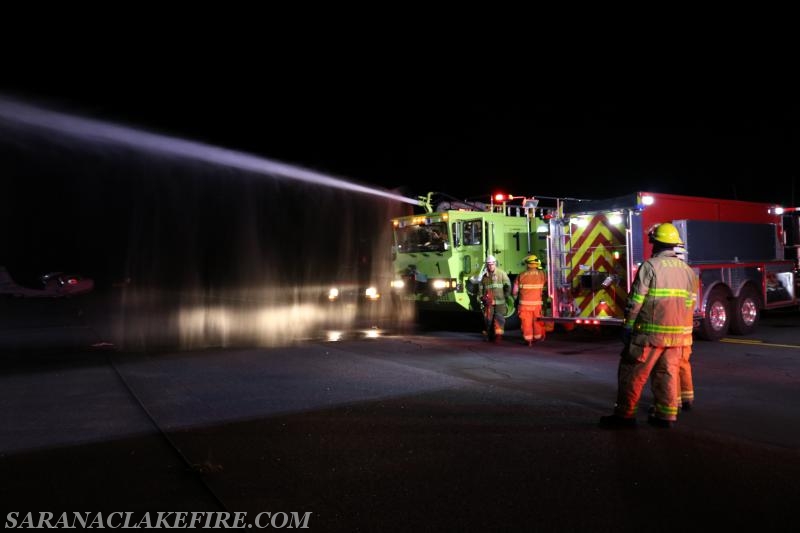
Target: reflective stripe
{"x":530,"y":302}
{"x":667,"y":410}
{"x":656,"y":328}
{"x":668,"y":293}
{"x":494,"y":285}
{"x":529,"y":286}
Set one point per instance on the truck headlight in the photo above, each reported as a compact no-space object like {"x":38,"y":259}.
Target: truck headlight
{"x":372,"y":293}
{"x":440,"y":284}
{"x":444,"y":284}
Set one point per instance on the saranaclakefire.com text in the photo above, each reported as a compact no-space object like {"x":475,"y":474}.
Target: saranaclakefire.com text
{"x":177,"y":520}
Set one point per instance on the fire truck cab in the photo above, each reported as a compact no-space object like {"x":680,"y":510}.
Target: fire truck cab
{"x":439,"y":256}
{"x":736,"y":248}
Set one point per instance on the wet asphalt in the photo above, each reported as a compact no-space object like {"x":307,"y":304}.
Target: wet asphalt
{"x":422,"y":431}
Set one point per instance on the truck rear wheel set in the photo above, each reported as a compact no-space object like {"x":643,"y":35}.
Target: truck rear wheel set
{"x":724,"y":313}
{"x":747,"y":311}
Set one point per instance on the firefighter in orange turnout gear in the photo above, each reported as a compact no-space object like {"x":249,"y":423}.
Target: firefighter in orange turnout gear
{"x":529,"y":286}
{"x":686,"y":389}
{"x":657,"y":332}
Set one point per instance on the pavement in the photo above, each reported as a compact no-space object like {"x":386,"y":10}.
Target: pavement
{"x":397,"y":433}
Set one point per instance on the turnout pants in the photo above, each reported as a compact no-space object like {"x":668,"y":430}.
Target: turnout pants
{"x":634,"y":370}
{"x":532,"y":329}
{"x":494,"y":318}
{"x":686,"y":388}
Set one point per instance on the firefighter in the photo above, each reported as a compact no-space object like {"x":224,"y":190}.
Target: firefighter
{"x":493,"y":290}
{"x":685,"y":382}
{"x":657,"y":332}
{"x":529,"y":286}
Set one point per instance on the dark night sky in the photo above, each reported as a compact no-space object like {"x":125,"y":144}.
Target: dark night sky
{"x":462,"y":136}
{"x":424,"y":131}
{"x":440,"y":107}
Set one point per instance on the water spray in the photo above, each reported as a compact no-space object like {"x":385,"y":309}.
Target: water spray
{"x":98,"y":131}
{"x":196,"y":316}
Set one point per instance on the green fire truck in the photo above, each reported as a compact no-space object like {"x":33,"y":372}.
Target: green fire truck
{"x":439,"y":255}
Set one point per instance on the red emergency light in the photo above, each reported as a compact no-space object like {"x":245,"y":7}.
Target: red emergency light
{"x":502,"y":197}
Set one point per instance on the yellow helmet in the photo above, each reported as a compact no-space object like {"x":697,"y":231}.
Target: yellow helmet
{"x":666,"y":233}
{"x":533,"y":260}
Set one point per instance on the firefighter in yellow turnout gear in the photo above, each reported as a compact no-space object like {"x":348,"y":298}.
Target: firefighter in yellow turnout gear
{"x":657,"y":332}
{"x":494,"y":288}
{"x":529,"y":286}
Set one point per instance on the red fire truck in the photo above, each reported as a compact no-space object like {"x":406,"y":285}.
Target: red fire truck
{"x":736,"y":248}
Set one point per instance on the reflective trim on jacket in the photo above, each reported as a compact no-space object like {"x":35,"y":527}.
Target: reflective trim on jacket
{"x":530,"y":284}
{"x":662,"y":301}
{"x":498,"y":284}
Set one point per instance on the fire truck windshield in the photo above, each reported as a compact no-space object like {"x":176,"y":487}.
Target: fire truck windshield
{"x":428,"y":238}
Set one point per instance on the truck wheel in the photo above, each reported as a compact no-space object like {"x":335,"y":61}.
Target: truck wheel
{"x":512,"y":321}
{"x":717,"y":317}
{"x":747,"y":311}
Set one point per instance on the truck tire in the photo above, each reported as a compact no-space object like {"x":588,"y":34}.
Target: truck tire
{"x":746,"y":312}
{"x":717,"y":317}
{"x":512,"y":321}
